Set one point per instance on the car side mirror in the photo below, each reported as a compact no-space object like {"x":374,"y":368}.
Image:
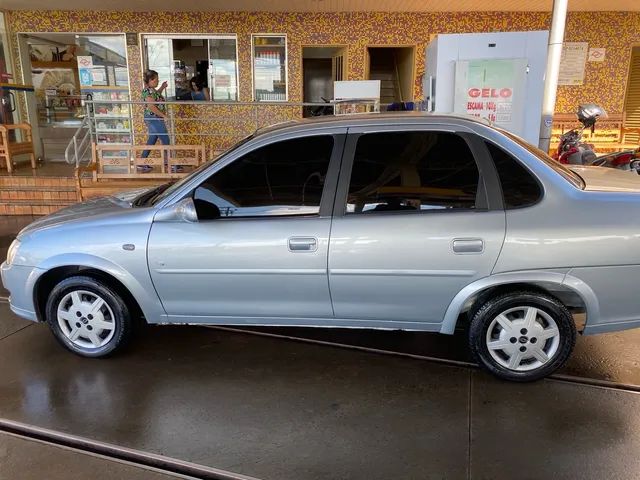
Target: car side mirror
{"x":182,"y":211}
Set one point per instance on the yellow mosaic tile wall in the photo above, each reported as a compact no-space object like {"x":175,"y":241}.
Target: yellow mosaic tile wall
{"x":605,"y":82}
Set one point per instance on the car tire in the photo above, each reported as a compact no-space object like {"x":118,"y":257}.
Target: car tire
{"x":88,"y":317}
{"x":522,"y":336}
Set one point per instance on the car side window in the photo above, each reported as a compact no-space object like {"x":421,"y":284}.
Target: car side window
{"x":412,"y":172}
{"x":519,"y":187}
{"x":282,"y":178}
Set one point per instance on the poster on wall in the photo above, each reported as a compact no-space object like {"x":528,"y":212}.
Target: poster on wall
{"x":572,"y":63}
{"x":492,"y":89}
{"x":597,"y":54}
{"x":99,"y":75}
{"x":122,"y":76}
{"x":86,"y":79}
{"x":85,"y":61}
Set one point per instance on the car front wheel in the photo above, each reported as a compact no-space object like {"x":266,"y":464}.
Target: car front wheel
{"x":88,"y":317}
{"x":522,"y":336}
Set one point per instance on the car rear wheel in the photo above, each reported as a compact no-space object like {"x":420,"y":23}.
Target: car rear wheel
{"x":522,"y":336}
{"x":88,"y":317}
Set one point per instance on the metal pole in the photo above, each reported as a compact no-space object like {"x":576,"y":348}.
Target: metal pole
{"x":556,"y":37}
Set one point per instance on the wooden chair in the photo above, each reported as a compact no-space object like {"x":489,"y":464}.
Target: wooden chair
{"x":10,"y":149}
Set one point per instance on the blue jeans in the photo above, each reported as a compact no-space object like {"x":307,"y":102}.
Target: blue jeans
{"x":157,"y":130}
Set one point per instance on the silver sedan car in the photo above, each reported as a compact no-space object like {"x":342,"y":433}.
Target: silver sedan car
{"x":406,"y":221}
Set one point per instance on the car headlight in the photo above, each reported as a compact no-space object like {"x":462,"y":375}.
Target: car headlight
{"x":13,"y":249}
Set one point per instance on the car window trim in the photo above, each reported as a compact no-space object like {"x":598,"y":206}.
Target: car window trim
{"x":354,"y":133}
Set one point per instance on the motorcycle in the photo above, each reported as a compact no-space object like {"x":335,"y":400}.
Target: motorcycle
{"x":571,"y":149}
{"x":625,"y":160}
{"x":319,"y":111}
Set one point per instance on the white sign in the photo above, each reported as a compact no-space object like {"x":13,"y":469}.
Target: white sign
{"x":99,"y":75}
{"x":85,"y":62}
{"x":356,"y":89}
{"x":492,"y":89}
{"x":572,"y":63}
{"x":597,"y":54}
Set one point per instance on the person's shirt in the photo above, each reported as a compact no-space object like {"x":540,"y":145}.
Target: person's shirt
{"x":198,"y":95}
{"x":157,"y":97}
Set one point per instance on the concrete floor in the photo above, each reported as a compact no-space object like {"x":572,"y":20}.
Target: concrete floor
{"x":32,"y":460}
{"x":279,"y":409}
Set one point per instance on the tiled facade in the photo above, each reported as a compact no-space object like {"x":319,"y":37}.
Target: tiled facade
{"x":604,"y":83}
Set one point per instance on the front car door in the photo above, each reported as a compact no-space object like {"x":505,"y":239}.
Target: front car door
{"x":258,"y":253}
{"x":417,"y":217}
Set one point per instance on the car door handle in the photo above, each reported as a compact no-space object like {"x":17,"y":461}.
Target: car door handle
{"x":468,"y":245}
{"x":303,"y":244}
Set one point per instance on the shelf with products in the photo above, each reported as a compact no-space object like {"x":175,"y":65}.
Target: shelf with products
{"x":112,"y":117}
{"x":111,"y":120}
{"x":109,"y":88}
{"x":270,"y":67}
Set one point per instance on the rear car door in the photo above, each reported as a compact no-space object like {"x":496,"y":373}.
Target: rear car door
{"x":417,"y":217}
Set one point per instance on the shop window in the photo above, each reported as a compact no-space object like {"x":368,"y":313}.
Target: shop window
{"x":66,"y":70}
{"x":270,"y":68}
{"x":412,"y":172}
{"x":195,"y":68}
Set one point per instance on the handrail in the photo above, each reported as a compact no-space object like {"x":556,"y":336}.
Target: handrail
{"x":79,"y":149}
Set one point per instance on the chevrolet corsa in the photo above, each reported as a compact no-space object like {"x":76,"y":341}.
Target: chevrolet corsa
{"x":410,"y":222}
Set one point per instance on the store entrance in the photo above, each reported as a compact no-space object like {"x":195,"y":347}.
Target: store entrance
{"x":394,"y":67}
{"x":65,"y":69}
{"x":321,"y":66}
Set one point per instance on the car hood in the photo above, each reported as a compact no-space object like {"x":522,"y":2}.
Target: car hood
{"x":89,"y":209}
{"x":602,"y":179}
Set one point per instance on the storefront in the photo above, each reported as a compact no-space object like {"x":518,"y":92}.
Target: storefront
{"x":275,"y":57}
{"x":65,"y":69}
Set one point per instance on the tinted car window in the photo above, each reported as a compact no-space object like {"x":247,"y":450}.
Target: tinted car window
{"x":569,"y":175}
{"x":283,"y":178}
{"x":412,"y":171}
{"x":519,"y":187}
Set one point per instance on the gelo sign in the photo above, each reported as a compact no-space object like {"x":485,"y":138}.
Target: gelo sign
{"x":490,"y":92}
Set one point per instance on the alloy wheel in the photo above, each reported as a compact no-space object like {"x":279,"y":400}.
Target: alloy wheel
{"x":86,"y":319}
{"x":523,"y":338}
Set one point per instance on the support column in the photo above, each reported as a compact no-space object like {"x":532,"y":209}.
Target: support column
{"x":556,"y":37}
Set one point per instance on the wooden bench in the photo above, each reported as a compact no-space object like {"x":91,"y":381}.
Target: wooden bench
{"x":9,"y":148}
{"x":115,"y":167}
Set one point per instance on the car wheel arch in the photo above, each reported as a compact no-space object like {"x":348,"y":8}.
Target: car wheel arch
{"x":55,"y":270}
{"x":569,"y":290}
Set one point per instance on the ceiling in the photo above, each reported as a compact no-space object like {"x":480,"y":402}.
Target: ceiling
{"x":320,"y":5}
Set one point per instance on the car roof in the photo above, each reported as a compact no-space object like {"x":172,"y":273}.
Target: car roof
{"x":362,"y":120}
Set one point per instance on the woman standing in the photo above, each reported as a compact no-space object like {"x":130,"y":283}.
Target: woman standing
{"x":154,"y":113}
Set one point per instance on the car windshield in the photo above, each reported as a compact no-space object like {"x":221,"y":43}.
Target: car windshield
{"x":569,"y":175}
{"x":165,"y":192}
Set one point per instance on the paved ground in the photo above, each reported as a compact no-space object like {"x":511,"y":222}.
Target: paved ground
{"x":277,"y":409}
{"x":280,"y":409}
{"x":28,"y":459}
